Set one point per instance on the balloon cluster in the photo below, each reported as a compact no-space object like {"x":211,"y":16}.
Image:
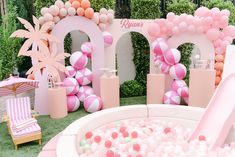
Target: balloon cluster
{"x":219,"y":65}
{"x":60,"y":10}
{"x":213,"y":23}
{"x":167,"y":60}
{"x":78,"y":80}
{"x":103,"y":18}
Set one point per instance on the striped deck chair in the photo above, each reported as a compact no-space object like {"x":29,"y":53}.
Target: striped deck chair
{"x":21,"y":125}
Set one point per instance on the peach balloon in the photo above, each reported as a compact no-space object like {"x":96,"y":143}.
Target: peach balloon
{"x":217,"y":80}
{"x":103,"y":11}
{"x":103,"y":18}
{"x":96,"y":18}
{"x":71,"y":11}
{"x":219,"y":58}
{"x":67,"y":5}
{"x":54,"y":10}
{"x":59,"y":4}
{"x":56,"y":19}
{"x":218,"y":73}
{"x":41,"y":20}
{"x":89,"y":13}
{"x":48,"y":17}
{"x":76,"y":4}
{"x":71,"y":1}
{"x":80,"y":11}
{"x":85,"y":4}
{"x":63,"y":12}
{"x":219,"y":66}
{"x":44,"y":10}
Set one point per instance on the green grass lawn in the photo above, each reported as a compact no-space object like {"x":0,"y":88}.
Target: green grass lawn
{"x":50,"y":127}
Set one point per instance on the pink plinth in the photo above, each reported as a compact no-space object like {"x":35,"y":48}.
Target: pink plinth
{"x":201,"y":87}
{"x":157,"y":86}
{"x":109,"y":91}
{"x":57,"y":102}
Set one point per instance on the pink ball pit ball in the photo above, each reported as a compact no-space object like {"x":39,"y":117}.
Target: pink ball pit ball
{"x":172,"y":56}
{"x":171,"y":97}
{"x":84,"y":77}
{"x":78,"y":60}
{"x":71,"y":70}
{"x":183,"y":91}
{"x":178,"y":71}
{"x":93,"y":104}
{"x":84,"y":92}
{"x":159,"y":48}
{"x":178,"y":84}
{"x":71,"y":86}
{"x":108,"y":38}
{"x":73,"y":103}
{"x":87,"y":49}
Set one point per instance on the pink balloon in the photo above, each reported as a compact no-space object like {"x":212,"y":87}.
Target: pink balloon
{"x":215,"y":13}
{"x":229,"y":31}
{"x":223,"y":22}
{"x":225,"y":12}
{"x":229,"y":39}
{"x":208,"y":20}
{"x":191,"y":29}
{"x":154,"y":29}
{"x":175,"y":30}
{"x":200,"y":29}
{"x":213,"y":34}
{"x":170,"y":16}
{"x":189,"y":19}
{"x":176,"y":21}
{"x":183,"y":26}
{"x":201,"y":12}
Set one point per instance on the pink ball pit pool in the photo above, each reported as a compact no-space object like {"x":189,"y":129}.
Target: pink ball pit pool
{"x":139,"y":131}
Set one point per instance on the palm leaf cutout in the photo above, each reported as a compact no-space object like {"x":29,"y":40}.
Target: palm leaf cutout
{"x":26,"y":24}
{"x":36,"y":68}
{"x":36,"y":23}
{"x":45,"y":27}
{"x":61,"y":57}
{"x":20,"y":34}
{"x":27,"y":44}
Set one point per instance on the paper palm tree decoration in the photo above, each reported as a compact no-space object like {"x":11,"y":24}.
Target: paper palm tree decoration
{"x":34,"y":35}
{"x":51,"y":61}
{"x":46,"y":57}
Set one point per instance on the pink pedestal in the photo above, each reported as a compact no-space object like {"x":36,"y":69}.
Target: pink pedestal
{"x":109,"y":91}
{"x":57,"y":102}
{"x":157,"y":86}
{"x":201,"y":87}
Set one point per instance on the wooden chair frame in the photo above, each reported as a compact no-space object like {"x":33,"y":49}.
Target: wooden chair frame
{"x":37,"y":136}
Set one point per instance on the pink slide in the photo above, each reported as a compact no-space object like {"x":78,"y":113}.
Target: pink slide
{"x":219,"y":116}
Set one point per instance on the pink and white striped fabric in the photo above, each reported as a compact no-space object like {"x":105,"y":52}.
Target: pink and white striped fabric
{"x":21,"y":125}
{"x":19,"y":112}
{"x":16,"y":85}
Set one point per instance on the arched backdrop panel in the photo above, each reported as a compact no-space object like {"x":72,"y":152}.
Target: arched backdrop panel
{"x":87,"y":26}
{"x":119,"y":28}
{"x":205,"y":46}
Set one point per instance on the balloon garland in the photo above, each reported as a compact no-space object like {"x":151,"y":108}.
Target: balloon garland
{"x":214,"y":23}
{"x":78,"y":79}
{"x":167,"y":60}
{"x":60,"y":10}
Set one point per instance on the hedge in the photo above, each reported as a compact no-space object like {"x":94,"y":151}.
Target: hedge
{"x":131,"y":88}
{"x":9,"y":47}
{"x":98,"y":4}
{"x":144,"y":9}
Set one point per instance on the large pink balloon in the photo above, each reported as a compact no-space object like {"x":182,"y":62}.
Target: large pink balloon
{"x":154,"y":29}
{"x":229,"y":31}
{"x":213,"y":34}
{"x":201,"y":12}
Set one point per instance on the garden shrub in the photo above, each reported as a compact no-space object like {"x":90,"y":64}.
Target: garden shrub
{"x":131,"y":88}
{"x":144,"y":9}
{"x":9,"y":47}
{"x":98,"y":4}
